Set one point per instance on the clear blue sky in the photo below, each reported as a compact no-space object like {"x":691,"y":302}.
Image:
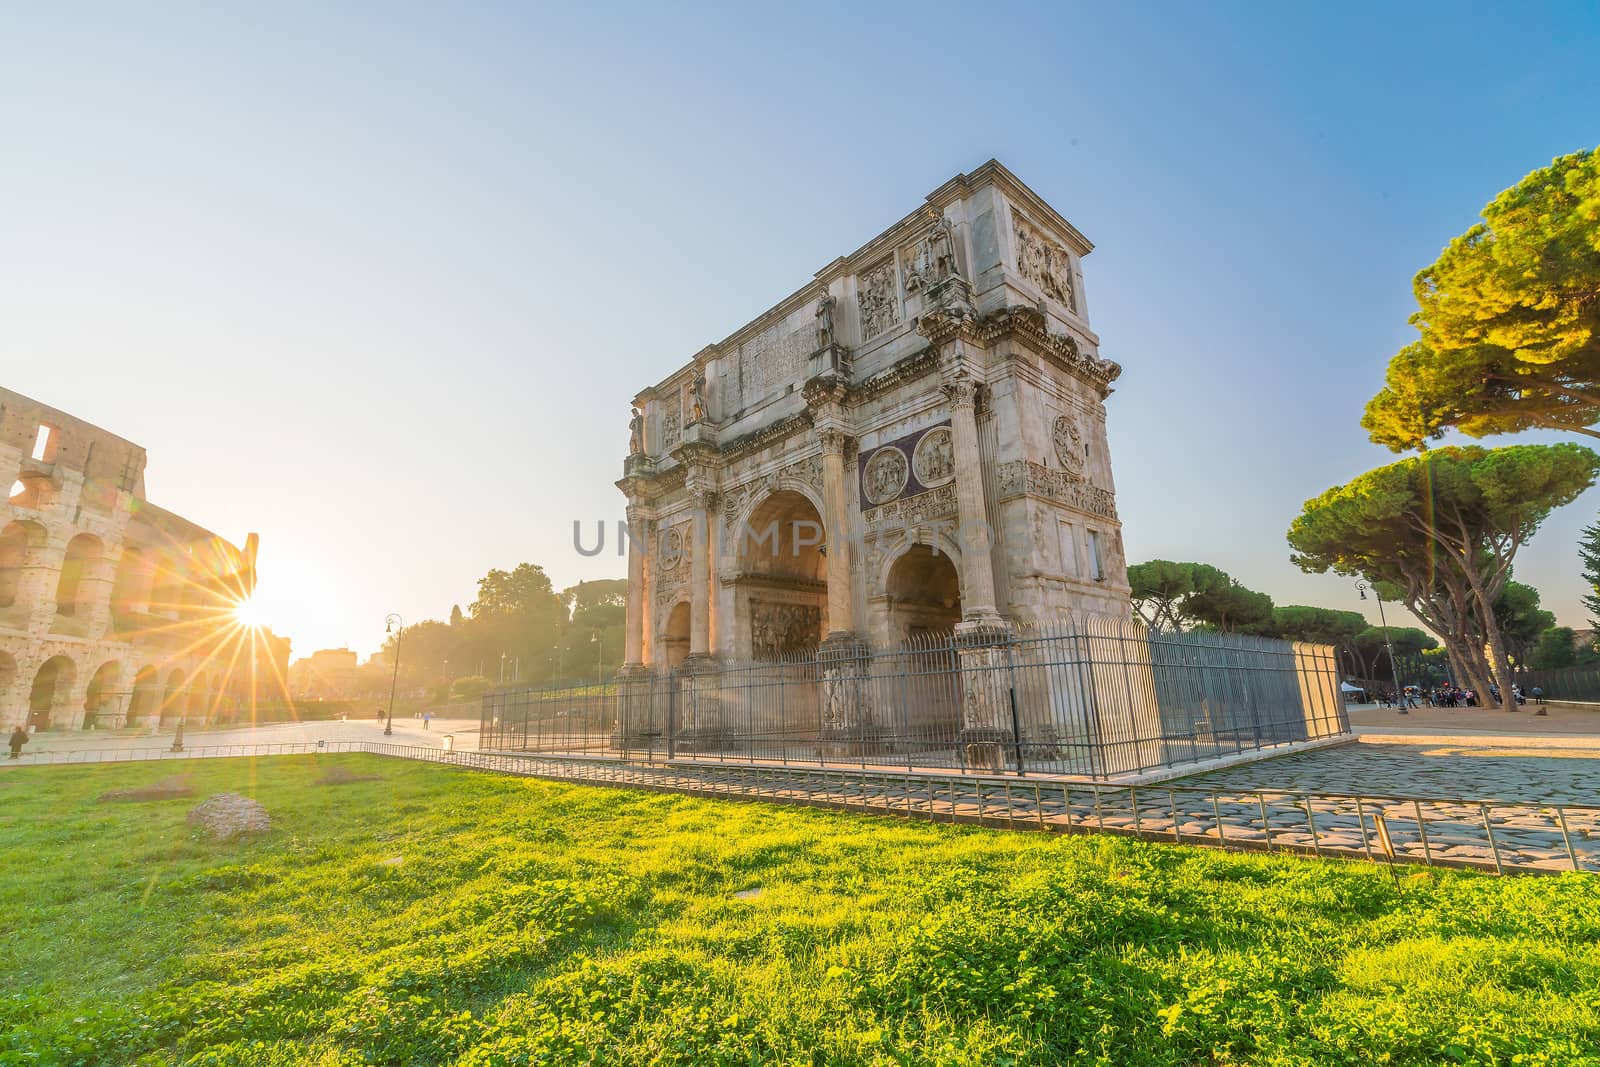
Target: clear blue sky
{"x":379,"y":281}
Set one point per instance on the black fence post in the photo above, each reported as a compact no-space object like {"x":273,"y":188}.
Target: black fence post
{"x":1016,"y":728}
{"x":672,"y":715}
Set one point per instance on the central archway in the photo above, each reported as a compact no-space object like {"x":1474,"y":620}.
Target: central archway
{"x":782,"y":585}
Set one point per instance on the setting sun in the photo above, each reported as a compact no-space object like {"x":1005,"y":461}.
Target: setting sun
{"x":247,"y":613}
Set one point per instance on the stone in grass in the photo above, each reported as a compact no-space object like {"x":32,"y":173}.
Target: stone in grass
{"x":166,"y":789}
{"x":229,"y":815}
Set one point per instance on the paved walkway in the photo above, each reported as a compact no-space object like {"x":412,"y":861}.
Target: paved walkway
{"x":1472,"y":772}
{"x":464,"y":734}
{"x":1581,"y":724}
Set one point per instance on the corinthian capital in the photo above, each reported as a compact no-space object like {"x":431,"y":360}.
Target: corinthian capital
{"x":961,"y":390}
{"x":834,"y":441}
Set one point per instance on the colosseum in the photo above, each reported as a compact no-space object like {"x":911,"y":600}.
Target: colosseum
{"x":113,"y":611}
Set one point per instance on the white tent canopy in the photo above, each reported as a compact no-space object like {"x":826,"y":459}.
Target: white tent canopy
{"x":1346,"y":687}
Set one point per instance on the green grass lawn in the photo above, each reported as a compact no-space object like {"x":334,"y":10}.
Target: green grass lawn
{"x":436,"y":916}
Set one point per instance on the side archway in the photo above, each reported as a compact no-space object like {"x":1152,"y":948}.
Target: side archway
{"x":675,"y":634}
{"x":923,"y":589}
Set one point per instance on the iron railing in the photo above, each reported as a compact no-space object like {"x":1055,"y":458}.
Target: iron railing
{"x":1091,"y":697}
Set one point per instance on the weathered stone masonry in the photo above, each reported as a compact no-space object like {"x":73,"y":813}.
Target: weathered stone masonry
{"x":110,"y":607}
{"x":923,"y":423}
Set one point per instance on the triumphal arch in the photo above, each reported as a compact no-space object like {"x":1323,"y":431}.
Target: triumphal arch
{"x":914,"y":442}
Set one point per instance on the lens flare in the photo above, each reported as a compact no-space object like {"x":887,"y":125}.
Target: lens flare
{"x":247,"y":613}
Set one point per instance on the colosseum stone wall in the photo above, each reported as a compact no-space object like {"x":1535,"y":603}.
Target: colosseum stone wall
{"x":113,"y":611}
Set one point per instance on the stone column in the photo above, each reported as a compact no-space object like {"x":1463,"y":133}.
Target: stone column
{"x":636,"y":722}
{"x":700,"y":577}
{"x":636,"y":599}
{"x":841,"y":590}
{"x":977,"y":568}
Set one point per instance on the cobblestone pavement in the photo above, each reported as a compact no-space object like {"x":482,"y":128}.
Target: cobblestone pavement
{"x":1442,"y":771}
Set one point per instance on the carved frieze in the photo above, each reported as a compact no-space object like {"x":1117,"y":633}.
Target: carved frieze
{"x":671,"y":430}
{"x":808,"y":470}
{"x":937,"y":503}
{"x":778,"y":628}
{"x":1043,"y":262}
{"x":1021,"y":476}
{"x":878,"y":297}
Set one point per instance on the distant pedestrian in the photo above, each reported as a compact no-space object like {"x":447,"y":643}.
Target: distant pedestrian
{"x":19,"y":737}
{"x":427,"y":717}
{"x":1538,"y":695}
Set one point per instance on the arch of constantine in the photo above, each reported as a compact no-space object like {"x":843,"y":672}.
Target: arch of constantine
{"x":911,"y":443}
{"x":113,"y":611}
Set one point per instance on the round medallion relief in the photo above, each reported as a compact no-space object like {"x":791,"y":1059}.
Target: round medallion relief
{"x":672,"y":547}
{"x":934,"y":459}
{"x":1069,"y":443}
{"x":886,"y":474}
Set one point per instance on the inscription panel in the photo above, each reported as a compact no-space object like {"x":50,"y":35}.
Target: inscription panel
{"x":774,"y":359}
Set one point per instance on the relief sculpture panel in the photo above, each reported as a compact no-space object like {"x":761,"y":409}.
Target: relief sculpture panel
{"x":878,"y":296}
{"x":779,"y":628}
{"x":1043,"y":262}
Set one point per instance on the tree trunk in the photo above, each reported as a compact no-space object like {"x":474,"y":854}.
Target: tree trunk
{"x":1499,"y":666}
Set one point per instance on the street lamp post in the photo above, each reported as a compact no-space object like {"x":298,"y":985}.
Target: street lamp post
{"x":599,"y":655}
{"x":1399,"y":692}
{"x":390,"y":622}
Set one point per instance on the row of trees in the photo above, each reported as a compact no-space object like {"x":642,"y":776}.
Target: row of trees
{"x":519,"y":628}
{"x":1181,"y":596}
{"x":1509,"y":339}
{"x":1184,"y":596}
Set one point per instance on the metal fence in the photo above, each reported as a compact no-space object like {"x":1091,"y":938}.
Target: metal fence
{"x":1091,"y":696}
{"x":1568,"y":683}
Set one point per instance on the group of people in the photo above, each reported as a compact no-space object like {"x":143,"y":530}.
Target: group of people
{"x":1451,"y":696}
